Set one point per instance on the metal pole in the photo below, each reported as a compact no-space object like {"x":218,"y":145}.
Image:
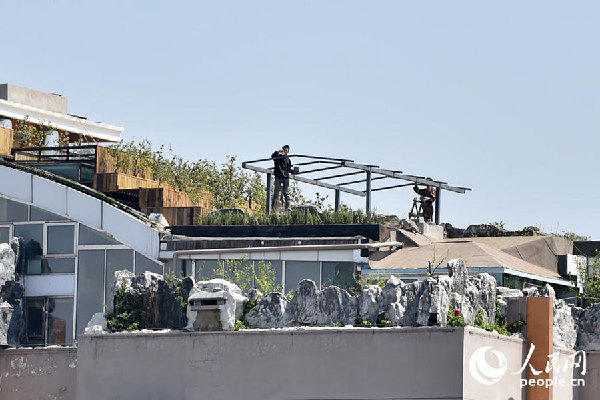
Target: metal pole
{"x":269,"y":184}
{"x":337,"y":200}
{"x":368,"y":205}
{"x":438,"y":193}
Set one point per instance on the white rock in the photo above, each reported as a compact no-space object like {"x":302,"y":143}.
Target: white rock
{"x":96,"y":325}
{"x":234,"y":301}
{"x":7,"y":264}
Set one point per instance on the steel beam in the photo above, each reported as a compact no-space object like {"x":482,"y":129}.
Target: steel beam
{"x":438,"y":193}
{"x":368,"y":193}
{"x":269,"y":186}
{"x":307,"y":180}
{"x":409,"y":178}
{"x":391,"y":187}
{"x":363,"y":180}
{"x":319,"y":169}
{"x":338,"y":175}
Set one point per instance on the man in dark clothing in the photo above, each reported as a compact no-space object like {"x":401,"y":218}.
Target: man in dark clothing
{"x":427,"y":199}
{"x":282,"y":169}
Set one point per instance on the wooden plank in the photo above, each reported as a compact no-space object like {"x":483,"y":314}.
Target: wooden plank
{"x":178,"y":215}
{"x":6,"y":141}
{"x":164,"y":197}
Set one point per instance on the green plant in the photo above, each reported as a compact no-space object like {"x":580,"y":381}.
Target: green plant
{"x":516,"y":326}
{"x":28,"y":134}
{"x":242,"y":273}
{"x":294,"y":217}
{"x":588,"y":291}
{"x":290,"y":295}
{"x":265,"y":279}
{"x":338,"y":324}
{"x":498,"y":224}
{"x":382,"y":320}
{"x":127,"y":312}
{"x":170,"y":276}
{"x":241,"y":324}
{"x":495,"y":326}
{"x":249,"y":305}
{"x":229,"y":184}
{"x":455,"y":320}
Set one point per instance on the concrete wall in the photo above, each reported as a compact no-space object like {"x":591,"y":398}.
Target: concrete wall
{"x":36,"y":374}
{"x":312,"y":364}
{"x":46,"y":101}
{"x":392,"y":363}
{"x":591,"y":390}
{"x":508,"y":387}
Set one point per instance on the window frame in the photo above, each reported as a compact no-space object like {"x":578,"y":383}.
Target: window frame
{"x":10,"y":229}
{"x":45,"y":322}
{"x":75,"y":237}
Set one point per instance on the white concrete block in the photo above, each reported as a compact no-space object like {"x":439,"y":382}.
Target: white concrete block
{"x":15,"y":184}
{"x":50,"y":285}
{"x":49,"y":195}
{"x":84,"y":208}
{"x":130,"y":231}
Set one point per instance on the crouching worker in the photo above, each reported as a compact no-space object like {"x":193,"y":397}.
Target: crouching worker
{"x":427,"y":198}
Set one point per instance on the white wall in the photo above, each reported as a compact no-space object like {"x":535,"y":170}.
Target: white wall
{"x":60,"y":199}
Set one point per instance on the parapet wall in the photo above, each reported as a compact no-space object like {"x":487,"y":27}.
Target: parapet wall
{"x":32,"y":374}
{"x":330,"y":363}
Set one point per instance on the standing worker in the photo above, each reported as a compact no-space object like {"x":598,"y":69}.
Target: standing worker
{"x":282,"y":169}
{"x":427,"y":198}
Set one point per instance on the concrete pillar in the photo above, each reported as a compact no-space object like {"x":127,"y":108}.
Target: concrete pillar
{"x":539,"y":333}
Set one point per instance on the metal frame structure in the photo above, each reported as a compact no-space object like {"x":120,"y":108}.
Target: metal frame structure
{"x":366,"y":173}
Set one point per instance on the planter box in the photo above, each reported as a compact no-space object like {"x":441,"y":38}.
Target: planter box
{"x":374,"y":232}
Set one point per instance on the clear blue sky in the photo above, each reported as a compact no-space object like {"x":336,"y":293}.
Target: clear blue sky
{"x":501,"y":97}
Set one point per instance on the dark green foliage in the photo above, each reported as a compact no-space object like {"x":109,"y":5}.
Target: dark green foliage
{"x":455,"y":321}
{"x":294,"y":217}
{"x":127,"y":313}
{"x":249,"y":305}
{"x":230,"y":185}
{"x":516,"y":326}
{"x":480,"y":323}
{"x":241,"y":324}
{"x":382,"y":320}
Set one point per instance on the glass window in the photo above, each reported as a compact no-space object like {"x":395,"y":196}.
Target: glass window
{"x":182,"y":268}
{"x":37,"y":214}
{"x":205,"y":268}
{"x":38,"y":265}
{"x":341,"y":274}
{"x":60,"y":239}
{"x":34,"y":266}
{"x":295,"y":271}
{"x":276,"y":266}
{"x":4,"y":234}
{"x":12,"y":211}
{"x":143,"y":264}
{"x":60,"y":321}
{"x":58,"y":266}
{"x":90,"y":236}
{"x":34,"y":320}
{"x":90,"y":286}
{"x":116,"y":260}
{"x":32,"y":236}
